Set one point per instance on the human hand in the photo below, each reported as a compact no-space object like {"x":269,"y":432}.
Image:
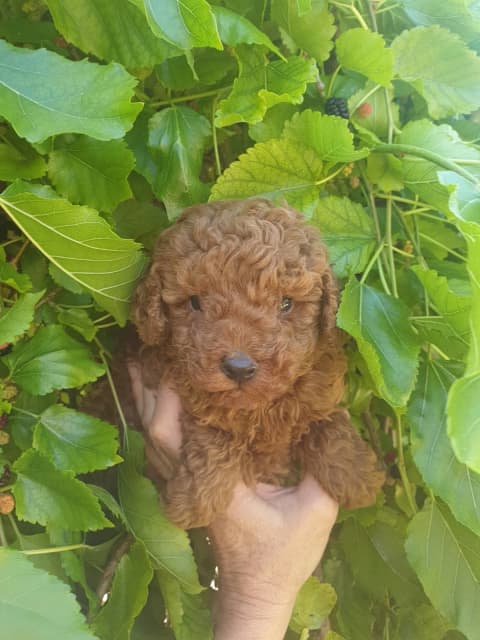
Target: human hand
{"x":266,"y":544}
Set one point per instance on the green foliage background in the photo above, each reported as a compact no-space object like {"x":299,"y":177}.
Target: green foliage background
{"x":114,"y":115}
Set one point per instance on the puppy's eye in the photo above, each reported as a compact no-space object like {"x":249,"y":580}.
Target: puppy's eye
{"x":285,"y":305}
{"x":195,"y":303}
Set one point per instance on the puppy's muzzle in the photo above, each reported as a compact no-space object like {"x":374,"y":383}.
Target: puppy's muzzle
{"x":238,"y":367}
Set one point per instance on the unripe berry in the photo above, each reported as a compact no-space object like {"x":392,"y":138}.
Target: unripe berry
{"x":7,"y":503}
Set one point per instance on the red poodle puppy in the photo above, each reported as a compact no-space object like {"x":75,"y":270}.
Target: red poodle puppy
{"x":237,"y":315}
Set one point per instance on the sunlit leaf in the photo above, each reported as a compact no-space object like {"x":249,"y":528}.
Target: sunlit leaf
{"x":365,"y":52}
{"x":16,"y":319}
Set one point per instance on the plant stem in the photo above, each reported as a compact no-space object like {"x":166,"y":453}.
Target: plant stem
{"x":371,"y":6}
{"x":3,"y":537}
{"x":402,"y":468}
{"x":25,"y":412}
{"x":354,"y":10}
{"x":332,"y":81}
{"x":13,"y":524}
{"x":5,"y":488}
{"x":329,"y":177}
{"x":389,"y":248}
{"x":372,"y":261}
{"x":189,"y":98}
{"x":115,"y":398}
{"x":365,"y":97}
{"x":305,"y":634}
{"x":444,"y":247}
{"x":68,"y":547}
{"x":109,"y":571}
{"x":218,"y":164}
{"x":412,"y":150}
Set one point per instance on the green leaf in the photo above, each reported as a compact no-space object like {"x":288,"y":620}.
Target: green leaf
{"x":185,"y":24}
{"x":16,"y":163}
{"x":12,"y":278}
{"x":375,"y":123}
{"x":421,"y":623}
{"x":177,"y":138}
{"x":385,"y":339}
{"x":452,"y":305}
{"x":112,"y":31}
{"x":312,"y":30}
{"x":47,"y":496}
{"x":274,"y":169}
{"x":420,"y":175}
{"x":445,"y":556}
{"x":168,"y":547}
{"x":459,"y":16}
{"x":432,"y":451}
{"x":51,"y":360}
{"x":440,"y":67}
{"x":91,"y":172}
{"x":22,"y":424}
{"x":128,"y":595}
{"x":188,"y":614}
{"x":16,"y":319}
{"x":272,"y":124}
{"x":365,"y":52}
{"x":377,"y":559}
{"x":79,"y":321}
{"x":80,"y":243}
{"x":385,"y":171}
{"x":328,"y":135}
{"x":75,"y":441}
{"x":464,"y":418}
{"x":234,"y":29}
{"x":141,"y":221}
{"x":348,"y":232}
{"x":313,"y":604}
{"x":36,"y":604}
{"x":260,"y":86}
{"x":43,"y":94}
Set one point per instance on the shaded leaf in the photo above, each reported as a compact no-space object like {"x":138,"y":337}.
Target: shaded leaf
{"x":313,"y":604}
{"x":12,"y":278}
{"x":36,"y":604}
{"x":385,"y":171}
{"x":16,"y":319}
{"x":185,"y":24}
{"x":168,"y":547}
{"x":177,"y":138}
{"x":235,"y":29}
{"x":91,"y":172}
{"x":128,"y":595}
{"x":47,"y":496}
{"x":441,"y":68}
{"x":79,"y":321}
{"x":51,"y":360}
{"x":385,"y":339}
{"x":365,"y":52}
{"x":328,"y":135}
{"x":79,"y":242}
{"x":348,"y":233}
{"x":445,"y":556}
{"x":43,"y":94}
{"x":15,"y":163}
{"x":112,"y":31}
{"x":75,"y":441}
{"x":422,"y":622}
{"x":311,"y":30}
{"x":275,"y":169}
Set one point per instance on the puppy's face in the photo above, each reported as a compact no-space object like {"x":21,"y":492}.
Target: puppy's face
{"x":237,"y":296}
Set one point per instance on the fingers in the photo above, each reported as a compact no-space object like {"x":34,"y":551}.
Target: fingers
{"x":312,"y":498}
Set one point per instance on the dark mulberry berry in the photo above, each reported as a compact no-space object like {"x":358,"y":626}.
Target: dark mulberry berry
{"x":3,"y":420}
{"x":5,"y":348}
{"x":337,"y":107}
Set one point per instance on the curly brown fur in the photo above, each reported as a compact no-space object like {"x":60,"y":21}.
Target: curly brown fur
{"x":241,"y":258}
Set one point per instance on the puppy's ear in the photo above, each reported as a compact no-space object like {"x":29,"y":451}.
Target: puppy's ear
{"x":329,"y":302}
{"x":148,"y":309}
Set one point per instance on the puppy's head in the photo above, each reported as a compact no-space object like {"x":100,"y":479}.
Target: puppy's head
{"x":240,"y":298}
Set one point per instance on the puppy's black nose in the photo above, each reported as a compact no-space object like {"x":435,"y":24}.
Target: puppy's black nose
{"x":238,"y":367}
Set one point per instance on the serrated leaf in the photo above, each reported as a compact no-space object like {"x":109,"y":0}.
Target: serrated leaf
{"x":12,"y":278}
{"x":313,"y":604}
{"x":91,"y":172}
{"x":235,"y":29}
{"x":385,"y":339}
{"x":47,"y":496}
{"x":79,"y":242}
{"x":328,"y":135}
{"x":128,"y":595}
{"x":188,"y":615}
{"x":75,"y":441}
{"x":14,"y":164}
{"x":168,"y":547}
{"x":420,"y":175}
{"x":177,"y":138}
{"x":311,"y":30}
{"x":275,"y":169}
{"x":445,"y":556}
{"x":79,"y":321}
{"x":43,"y":94}
{"x":385,"y":171}
{"x":21,"y":424}
{"x":185,"y":24}
{"x":51,"y":360}
{"x":36,"y":604}
{"x":365,"y":52}
{"x":112,"y":31}
{"x":260,"y":86}
{"x":16,"y":319}
{"x":453,"y":306}
{"x":348,"y":232}
{"x":432,"y":451}
{"x":440,"y":67}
